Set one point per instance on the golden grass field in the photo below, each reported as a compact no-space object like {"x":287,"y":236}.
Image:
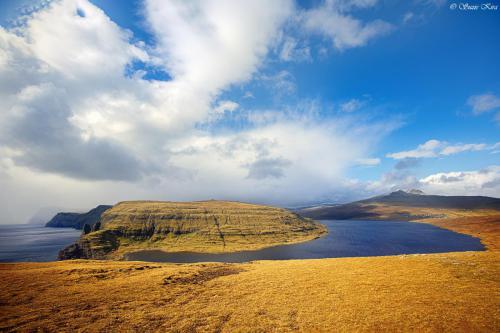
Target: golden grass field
{"x":450,"y":292}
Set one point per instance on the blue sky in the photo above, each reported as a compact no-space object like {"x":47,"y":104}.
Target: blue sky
{"x":285,"y":103}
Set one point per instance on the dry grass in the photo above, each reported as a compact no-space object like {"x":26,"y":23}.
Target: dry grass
{"x":452,"y":292}
{"x":445,"y":292}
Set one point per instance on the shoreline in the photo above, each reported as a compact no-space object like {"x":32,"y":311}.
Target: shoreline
{"x":454,"y":291}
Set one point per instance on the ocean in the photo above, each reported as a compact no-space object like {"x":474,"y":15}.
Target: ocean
{"x":28,"y":242}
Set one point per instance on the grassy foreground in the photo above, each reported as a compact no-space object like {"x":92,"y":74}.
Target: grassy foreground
{"x":453,"y":292}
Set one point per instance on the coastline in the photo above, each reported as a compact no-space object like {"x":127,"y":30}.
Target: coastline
{"x":398,"y":293}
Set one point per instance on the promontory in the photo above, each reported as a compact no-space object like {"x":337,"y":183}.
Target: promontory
{"x":203,"y":226}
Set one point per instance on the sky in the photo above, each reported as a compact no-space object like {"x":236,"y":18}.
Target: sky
{"x":282,"y":102}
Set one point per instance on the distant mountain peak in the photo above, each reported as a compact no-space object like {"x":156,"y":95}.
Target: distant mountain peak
{"x":397,"y":202}
{"x":405,"y":192}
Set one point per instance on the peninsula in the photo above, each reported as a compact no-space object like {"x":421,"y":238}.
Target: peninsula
{"x":203,"y":226}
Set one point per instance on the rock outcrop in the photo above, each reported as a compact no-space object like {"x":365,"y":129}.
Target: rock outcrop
{"x":205,"y":226}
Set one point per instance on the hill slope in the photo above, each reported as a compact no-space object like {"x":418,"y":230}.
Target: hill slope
{"x":77,"y":220}
{"x":205,"y":226}
{"x":401,"y":205}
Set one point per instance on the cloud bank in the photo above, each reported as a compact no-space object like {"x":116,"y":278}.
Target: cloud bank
{"x":81,"y":121}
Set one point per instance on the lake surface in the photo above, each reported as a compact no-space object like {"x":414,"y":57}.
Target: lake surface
{"x":25,"y":242}
{"x":345,"y":239}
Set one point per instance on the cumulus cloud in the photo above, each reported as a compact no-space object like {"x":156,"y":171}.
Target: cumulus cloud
{"x":78,"y":120}
{"x":480,"y":182}
{"x":436,"y":148}
{"x":211,"y":44}
{"x":285,"y":161}
{"x":333,"y":21}
{"x":63,"y":82}
{"x":475,"y":182}
{"x":42,"y":84}
{"x":44,"y":139}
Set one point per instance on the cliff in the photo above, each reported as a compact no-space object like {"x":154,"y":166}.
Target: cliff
{"x":205,"y":226}
{"x":77,"y":220}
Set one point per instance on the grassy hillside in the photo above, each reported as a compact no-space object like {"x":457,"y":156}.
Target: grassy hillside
{"x":435,"y":201}
{"x":205,"y":226}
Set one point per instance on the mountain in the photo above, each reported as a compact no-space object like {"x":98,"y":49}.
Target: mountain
{"x":402,"y":205}
{"x":77,"y":220}
{"x":203,"y":226}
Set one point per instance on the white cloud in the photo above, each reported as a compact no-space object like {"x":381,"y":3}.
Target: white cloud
{"x":481,"y":182}
{"x":226,"y":105}
{"x":345,"y":31}
{"x":45,"y":79}
{"x":483,"y":103}
{"x":85,"y":53}
{"x":75,"y":127}
{"x":436,"y":148}
{"x":368,"y":161}
{"x":427,"y":149}
{"x":211,"y":44}
{"x":455,"y":149}
{"x":475,"y":182}
{"x":286,"y":161}
{"x":80,"y":61}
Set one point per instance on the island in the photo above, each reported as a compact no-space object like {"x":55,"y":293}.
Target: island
{"x":203,"y":226}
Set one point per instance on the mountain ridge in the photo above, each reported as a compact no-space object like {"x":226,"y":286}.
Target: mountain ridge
{"x":403,"y":204}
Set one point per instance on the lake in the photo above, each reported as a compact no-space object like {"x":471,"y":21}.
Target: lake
{"x":346,"y":238}
{"x":26,"y":242}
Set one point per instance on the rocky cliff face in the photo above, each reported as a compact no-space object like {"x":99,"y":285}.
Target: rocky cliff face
{"x":207,"y":226}
{"x":77,"y":220}
{"x":96,"y":245}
